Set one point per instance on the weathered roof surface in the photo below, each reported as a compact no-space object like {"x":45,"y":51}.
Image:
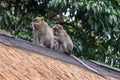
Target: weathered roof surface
{"x":19,"y":61}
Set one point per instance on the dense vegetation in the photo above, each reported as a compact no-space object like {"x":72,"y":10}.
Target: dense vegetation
{"x":94,"y":25}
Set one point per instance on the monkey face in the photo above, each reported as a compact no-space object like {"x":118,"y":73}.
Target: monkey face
{"x":37,"y":22}
{"x":57,"y":29}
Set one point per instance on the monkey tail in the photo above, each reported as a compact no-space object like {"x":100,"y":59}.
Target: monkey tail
{"x":80,"y":61}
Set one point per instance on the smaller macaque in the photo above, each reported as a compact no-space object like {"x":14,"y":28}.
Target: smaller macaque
{"x":65,"y":42}
{"x":56,"y":44}
{"x":42,"y":33}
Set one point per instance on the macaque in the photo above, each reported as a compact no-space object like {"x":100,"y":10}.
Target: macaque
{"x":65,"y":42}
{"x":42,"y":33}
{"x":56,"y":44}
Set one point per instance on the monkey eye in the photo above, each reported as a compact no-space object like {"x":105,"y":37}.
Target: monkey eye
{"x":60,"y":27}
{"x":42,"y":19}
{"x":54,"y":28}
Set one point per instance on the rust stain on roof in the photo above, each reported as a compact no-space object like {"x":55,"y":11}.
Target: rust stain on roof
{"x":17,"y":64}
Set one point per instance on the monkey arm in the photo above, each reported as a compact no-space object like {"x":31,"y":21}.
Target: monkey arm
{"x":43,"y":36}
{"x":35,"y":37}
{"x":58,"y":39}
{"x":42,"y":39}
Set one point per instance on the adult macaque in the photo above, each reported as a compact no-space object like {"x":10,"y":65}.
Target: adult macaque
{"x":42,"y":33}
{"x":63,"y":38}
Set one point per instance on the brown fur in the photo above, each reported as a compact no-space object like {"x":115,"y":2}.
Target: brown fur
{"x":42,"y":33}
{"x":64,"y":39}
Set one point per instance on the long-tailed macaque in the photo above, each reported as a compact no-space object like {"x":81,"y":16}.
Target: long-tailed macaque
{"x":65,"y":42}
{"x":56,"y":44}
{"x":42,"y":33}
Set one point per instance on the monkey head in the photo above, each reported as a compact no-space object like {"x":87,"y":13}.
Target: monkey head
{"x":37,"y":22}
{"x":57,"y":28}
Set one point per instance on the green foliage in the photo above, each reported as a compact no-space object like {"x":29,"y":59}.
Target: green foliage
{"x":93,"y":25}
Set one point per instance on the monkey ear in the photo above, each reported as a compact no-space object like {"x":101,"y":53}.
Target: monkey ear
{"x":61,"y":28}
{"x":57,"y":24}
{"x":42,"y":19}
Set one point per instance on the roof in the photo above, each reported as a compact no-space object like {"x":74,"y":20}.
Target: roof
{"x":20,"y":59}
